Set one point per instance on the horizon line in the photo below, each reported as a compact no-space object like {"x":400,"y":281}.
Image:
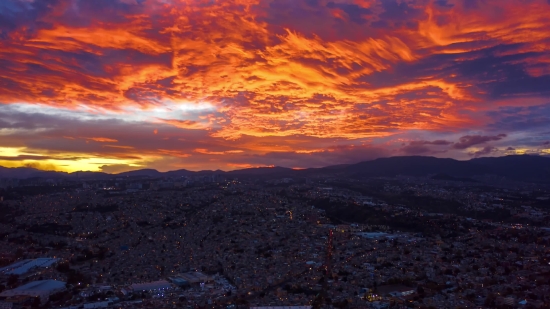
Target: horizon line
{"x":271,"y":166}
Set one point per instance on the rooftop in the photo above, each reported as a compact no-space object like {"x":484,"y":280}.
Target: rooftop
{"x":156,"y":285}
{"x":35,"y":286}
{"x":24,"y":266}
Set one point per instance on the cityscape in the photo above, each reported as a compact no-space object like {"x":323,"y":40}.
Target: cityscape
{"x":275,"y":239}
{"x":275,"y":154}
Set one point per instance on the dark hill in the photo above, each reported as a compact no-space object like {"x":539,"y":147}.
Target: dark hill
{"x":263,"y":171}
{"x":141,"y":173}
{"x":178,"y":173}
{"x":19,"y":172}
{"x":521,"y":168}
{"x":525,"y":167}
{"x":415,"y":166}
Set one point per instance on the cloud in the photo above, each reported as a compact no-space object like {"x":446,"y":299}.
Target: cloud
{"x":520,"y":118}
{"x":416,"y":149}
{"x":206,"y":151}
{"x":483,"y":152}
{"x":422,"y":147}
{"x":246,"y":165}
{"x":471,"y":140}
{"x":41,"y":166}
{"x":353,"y":11}
{"x":103,"y":139}
{"x":342,"y":154}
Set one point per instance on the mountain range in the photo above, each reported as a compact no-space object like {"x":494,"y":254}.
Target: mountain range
{"x":517,"y":167}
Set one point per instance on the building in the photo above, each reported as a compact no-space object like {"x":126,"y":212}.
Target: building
{"x":195,"y":277}
{"x":25,"y":266}
{"x":179,"y":282}
{"x":41,"y":289}
{"x":151,"y":286}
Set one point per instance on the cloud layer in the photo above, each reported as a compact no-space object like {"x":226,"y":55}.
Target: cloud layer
{"x":122,"y":84}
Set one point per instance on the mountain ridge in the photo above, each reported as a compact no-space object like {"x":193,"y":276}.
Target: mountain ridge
{"x":521,"y":167}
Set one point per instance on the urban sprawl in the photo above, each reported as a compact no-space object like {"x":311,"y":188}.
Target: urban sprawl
{"x":321,"y":242}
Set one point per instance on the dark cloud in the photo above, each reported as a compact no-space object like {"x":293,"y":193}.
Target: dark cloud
{"x":15,"y":14}
{"x":470,"y":4}
{"x":40,"y":158}
{"x":117,"y":168}
{"x":24,"y":157}
{"x":354,"y":11}
{"x":422,"y":147}
{"x":318,"y":18}
{"x":471,"y":140}
{"x":522,"y":83}
{"x":343,"y":154}
{"x":416,"y":149}
{"x":44,"y":166}
{"x":510,"y":148}
{"x":315,"y":2}
{"x":483,"y":152}
{"x":499,"y":71}
{"x":398,"y":10}
{"x":444,"y":3}
{"x":526,"y":118}
{"x":380,"y":24}
{"x":439,"y":142}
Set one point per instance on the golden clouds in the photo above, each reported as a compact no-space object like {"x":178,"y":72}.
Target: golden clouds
{"x":70,"y":38}
{"x":103,"y":139}
{"x":208,"y":152}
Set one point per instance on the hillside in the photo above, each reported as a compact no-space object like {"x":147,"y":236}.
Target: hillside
{"x":521,"y":168}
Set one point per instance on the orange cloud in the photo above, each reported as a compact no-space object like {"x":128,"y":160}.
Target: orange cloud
{"x":119,"y":146}
{"x":173,"y":153}
{"x":310,"y":150}
{"x":206,"y":151}
{"x":244,"y":165}
{"x":185,"y":124}
{"x":103,"y":139}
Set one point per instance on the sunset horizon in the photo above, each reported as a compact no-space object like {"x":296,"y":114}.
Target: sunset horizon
{"x":114,"y":86}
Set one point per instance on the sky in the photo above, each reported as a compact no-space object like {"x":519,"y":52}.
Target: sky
{"x":117,"y":85}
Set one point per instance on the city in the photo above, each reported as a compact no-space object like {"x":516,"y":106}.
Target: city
{"x":215,"y":242}
{"x":275,"y":154}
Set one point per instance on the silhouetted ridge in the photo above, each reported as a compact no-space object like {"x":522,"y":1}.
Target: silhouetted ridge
{"x":526,"y":167}
{"x":416,"y":166}
{"x":521,"y":168}
{"x":143,"y":172}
